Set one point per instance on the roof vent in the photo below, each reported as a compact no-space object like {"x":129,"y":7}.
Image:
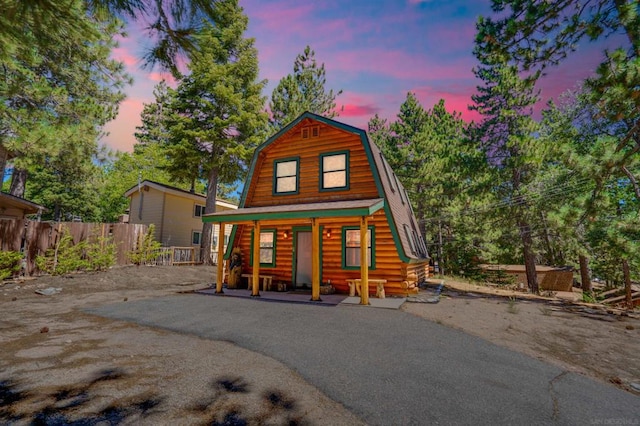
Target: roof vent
{"x":310,"y":132}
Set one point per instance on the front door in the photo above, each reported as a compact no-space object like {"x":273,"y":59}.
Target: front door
{"x":302,"y":259}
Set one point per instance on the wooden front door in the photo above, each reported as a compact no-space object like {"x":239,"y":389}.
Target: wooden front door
{"x":302,"y":259}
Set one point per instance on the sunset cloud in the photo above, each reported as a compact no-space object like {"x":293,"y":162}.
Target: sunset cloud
{"x":376,"y":52}
{"x":120,"y":132}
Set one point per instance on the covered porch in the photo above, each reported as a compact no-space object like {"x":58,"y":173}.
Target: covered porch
{"x":311,"y":216}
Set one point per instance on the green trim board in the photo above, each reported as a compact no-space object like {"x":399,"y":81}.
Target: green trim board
{"x":274,"y":232}
{"x":298,"y":211}
{"x":321,"y":177}
{"x":372,"y":241}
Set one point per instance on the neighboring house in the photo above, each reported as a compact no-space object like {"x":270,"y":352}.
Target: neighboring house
{"x":321,"y":196}
{"x":176,"y":213}
{"x":12,"y":207}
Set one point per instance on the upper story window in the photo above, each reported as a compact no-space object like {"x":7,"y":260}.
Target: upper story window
{"x":285,"y":176}
{"x":198,"y":210}
{"x":334,"y":170}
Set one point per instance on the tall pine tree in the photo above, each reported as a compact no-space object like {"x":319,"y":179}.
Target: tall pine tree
{"x":304,"y":90}
{"x":217,"y":112}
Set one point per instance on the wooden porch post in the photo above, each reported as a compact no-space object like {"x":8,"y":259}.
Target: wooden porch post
{"x":220,"y":274}
{"x":315,"y":260}
{"x":364,"y":264}
{"x":255,"y":281}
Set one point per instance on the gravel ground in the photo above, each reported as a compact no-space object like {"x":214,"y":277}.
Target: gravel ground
{"x":59,"y":364}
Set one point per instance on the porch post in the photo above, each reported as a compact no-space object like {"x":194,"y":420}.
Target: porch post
{"x":220,"y":274}
{"x":364,"y":264}
{"x":315,"y":260}
{"x":255,"y":281}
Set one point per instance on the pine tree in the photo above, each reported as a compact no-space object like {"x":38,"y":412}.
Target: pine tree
{"x":533,"y":36}
{"x":218,"y":113}
{"x":302,"y":91}
{"x":507,"y":130}
{"x":46,"y":24}
{"x":425,"y":149}
{"x":58,"y":97}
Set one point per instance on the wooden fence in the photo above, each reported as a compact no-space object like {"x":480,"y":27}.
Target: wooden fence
{"x":172,"y":256}
{"x":34,"y":238}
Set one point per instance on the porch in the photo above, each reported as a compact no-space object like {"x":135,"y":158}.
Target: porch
{"x":305,"y":298}
{"x":285,"y":221}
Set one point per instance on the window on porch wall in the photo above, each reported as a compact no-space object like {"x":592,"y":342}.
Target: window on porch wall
{"x":267,"y":247}
{"x":351,"y":247}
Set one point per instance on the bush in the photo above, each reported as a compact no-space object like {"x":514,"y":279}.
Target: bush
{"x":10,"y":262}
{"x":102,"y":254}
{"x":147,"y":249}
{"x":67,"y":257}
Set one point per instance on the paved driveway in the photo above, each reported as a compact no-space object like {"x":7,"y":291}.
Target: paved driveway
{"x":392,"y":368}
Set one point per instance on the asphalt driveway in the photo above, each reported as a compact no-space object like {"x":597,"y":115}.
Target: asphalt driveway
{"x":389,"y":367}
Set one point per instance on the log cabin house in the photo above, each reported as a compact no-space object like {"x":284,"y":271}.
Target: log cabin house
{"x":320,"y":197}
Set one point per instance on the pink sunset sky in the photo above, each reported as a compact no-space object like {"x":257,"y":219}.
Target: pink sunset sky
{"x":376,"y":52}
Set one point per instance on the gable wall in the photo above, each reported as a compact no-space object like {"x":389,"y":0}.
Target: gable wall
{"x":152,"y":205}
{"x":331,"y":139}
{"x":179,"y":221}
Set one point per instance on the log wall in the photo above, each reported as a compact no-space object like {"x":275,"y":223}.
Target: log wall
{"x":401,"y":277}
{"x":331,"y":139}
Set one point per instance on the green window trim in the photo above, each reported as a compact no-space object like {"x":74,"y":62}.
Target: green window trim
{"x":271,"y":264}
{"x":371,"y":251}
{"x":337,"y":171}
{"x":282,"y":178}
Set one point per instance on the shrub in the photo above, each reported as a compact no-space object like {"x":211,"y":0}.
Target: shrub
{"x":65,"y":257}
{"x":147,"y":249}
{"x":10,"y":262}
{"x":102,"y":254}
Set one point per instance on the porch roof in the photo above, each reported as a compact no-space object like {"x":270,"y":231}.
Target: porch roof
{"x":297,"y":211}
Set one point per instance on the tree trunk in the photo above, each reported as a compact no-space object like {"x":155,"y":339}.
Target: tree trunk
{"x":529,"y":256}
{"x":18,"y":182}
{"x":627,"y":283}
{"x":4,"y":157}
{"x":440,"y":260}
{"x":551,"y":255}
{"x":584,"y":275}
{"x":207,"y":227}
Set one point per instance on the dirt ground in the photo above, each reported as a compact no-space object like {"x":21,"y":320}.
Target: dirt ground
{"x":59,"y":365}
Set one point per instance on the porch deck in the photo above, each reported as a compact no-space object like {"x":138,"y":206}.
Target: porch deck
{"x":304,"y":297}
